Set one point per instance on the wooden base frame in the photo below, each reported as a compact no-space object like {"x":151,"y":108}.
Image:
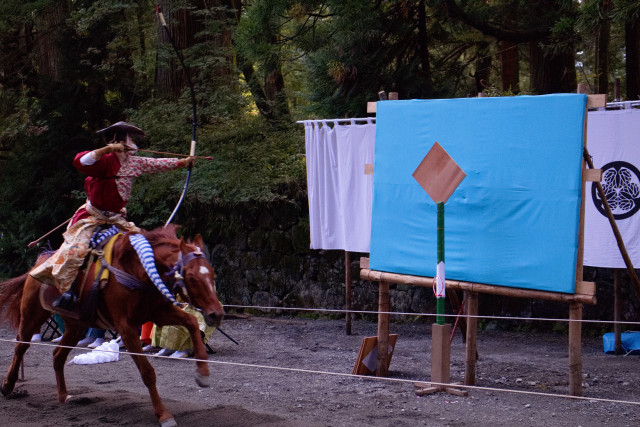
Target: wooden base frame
{"x":575,"y":301}
{"x":425,"y":388}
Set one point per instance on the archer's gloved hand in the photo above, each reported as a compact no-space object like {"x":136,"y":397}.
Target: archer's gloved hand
{"x":189,"y":161}
{"x":116,"y":147}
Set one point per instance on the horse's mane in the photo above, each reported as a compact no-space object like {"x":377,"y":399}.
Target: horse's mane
{"x":162,"y":239}
{"x":162,"y":235}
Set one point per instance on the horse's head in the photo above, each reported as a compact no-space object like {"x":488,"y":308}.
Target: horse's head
{"x":193,"y":278}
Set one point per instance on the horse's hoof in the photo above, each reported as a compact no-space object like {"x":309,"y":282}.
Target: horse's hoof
{"x":6,"y":389}
{"x":67,"y":399}
{"x":16,"y":394}
{"x":169,"y":422}
{"x":202,"y":381}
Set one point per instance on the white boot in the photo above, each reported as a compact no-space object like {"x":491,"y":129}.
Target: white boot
{"x":97,"y":343}
{"x":164,"y":352}
{"x":179,"y":355}
{"x":85,"y":341}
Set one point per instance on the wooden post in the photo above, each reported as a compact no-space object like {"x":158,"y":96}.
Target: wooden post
{"x":575,"y":308}
{"x":440,"y":353}
{"x":575,"y":349}
{"x":348,"y":291}
{"x":617,"y":310}
{"x":452,"y":296}
{"x":471,"y":308}
{"x":583,"y":88}
{"x":384,"y":307}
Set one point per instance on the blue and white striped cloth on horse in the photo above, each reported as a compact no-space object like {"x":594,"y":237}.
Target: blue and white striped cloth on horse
{"x":145,"y":253}
{"x":99,"y":237}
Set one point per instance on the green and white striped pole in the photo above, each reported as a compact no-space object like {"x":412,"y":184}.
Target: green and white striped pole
{"x":439,"y":290}
{"x":439,"y":175}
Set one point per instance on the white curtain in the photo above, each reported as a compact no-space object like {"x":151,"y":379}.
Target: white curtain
{"x":338,"y":189}
{"x":613,"y":141}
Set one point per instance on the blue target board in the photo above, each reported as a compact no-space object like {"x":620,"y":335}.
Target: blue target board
{"x":514,"y":219}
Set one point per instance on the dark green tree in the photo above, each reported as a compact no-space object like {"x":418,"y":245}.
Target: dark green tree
{"x":547,"y":27}
{"x":75,"y":74}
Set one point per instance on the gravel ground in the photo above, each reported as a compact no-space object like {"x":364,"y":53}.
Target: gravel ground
{"x":242,"y":395}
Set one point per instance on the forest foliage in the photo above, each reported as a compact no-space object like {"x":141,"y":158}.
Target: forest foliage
{"x":72,"y":67}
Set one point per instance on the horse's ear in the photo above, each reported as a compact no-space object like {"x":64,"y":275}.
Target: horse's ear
{"x":183,"y":245}
{"x":198,"y":241}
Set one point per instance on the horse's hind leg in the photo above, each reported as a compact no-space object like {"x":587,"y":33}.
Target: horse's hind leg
{"x":72,"y":334}
{"x":12,"y":373}
{"x":131,"y":340}
{"x":31,"y":320}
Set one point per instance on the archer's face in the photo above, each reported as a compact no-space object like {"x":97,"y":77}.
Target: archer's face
{"x":132,"y":145}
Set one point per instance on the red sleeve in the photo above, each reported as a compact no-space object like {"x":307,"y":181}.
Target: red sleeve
{"x":100,"y":184}
{"x":106,"y":167}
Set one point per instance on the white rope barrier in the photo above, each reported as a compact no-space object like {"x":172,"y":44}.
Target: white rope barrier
{"x":352,"y":376}
{"x":399,"y":313}
{"x":334,"y":121}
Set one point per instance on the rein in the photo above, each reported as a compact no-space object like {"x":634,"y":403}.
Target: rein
{"x":177,"y":272}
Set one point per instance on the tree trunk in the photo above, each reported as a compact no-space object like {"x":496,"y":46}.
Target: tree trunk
{"x":274,"y":89}
{"x":140,"y":12}
{"x":224,"y":40}
{"x":551,"y":73}
{"x":423,"y":41}
{"x":170,"y":78}
{"x":602,"y":48}
{"x":509,"y":66}
{"x":482,"y":73}
{"x":49,"y":27}
{"x":632,"y":67}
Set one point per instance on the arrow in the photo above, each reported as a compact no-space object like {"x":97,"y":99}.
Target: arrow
{"x":169,"y":154}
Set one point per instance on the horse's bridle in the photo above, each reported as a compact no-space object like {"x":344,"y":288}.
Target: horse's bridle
{"x":176,"y":274}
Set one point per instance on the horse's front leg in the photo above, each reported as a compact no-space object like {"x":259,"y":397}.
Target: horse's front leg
{"x":182,"y":318}
{"x":131,"y":340}
{"x":72,"y":334}
{"x":200,"y":354}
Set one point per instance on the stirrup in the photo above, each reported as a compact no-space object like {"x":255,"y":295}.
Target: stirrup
{"x":67,"y":301}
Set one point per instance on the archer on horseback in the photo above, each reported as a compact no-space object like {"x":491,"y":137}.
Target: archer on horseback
{"x":110,"y":172}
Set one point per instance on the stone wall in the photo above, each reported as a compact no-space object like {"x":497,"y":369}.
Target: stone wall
{"x":262,"y":258}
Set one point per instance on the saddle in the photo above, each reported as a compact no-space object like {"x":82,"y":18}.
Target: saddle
{"x":90,"y":280}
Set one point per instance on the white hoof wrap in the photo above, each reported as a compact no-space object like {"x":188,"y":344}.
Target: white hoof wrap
{"x":169,"y":422}
{"x":202,"y":381}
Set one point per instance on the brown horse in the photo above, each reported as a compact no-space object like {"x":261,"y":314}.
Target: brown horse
{"x":123,"y":308}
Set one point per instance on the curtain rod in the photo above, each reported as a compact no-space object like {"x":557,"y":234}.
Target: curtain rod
{"x":359,"y":119}
{"x":622,"y":105}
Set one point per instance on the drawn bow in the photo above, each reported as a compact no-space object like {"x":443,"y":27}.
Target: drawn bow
{"x":192,"y":150}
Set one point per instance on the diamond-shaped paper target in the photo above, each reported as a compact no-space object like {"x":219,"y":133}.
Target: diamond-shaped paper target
{"x":438,"y":174}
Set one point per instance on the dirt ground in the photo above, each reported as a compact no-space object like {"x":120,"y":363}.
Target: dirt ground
{"x":241,"y":395}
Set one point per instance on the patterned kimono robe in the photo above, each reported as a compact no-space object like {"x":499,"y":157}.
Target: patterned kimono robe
{"x":108,"y":187}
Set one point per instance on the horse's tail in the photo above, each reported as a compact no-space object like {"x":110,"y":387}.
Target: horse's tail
{"x":10,"y":298}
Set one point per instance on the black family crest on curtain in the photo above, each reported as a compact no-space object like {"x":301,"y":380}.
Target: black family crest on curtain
{"x":621,"y":185}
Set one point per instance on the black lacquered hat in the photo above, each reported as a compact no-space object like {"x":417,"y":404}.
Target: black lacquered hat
{"x":122,"y":127}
